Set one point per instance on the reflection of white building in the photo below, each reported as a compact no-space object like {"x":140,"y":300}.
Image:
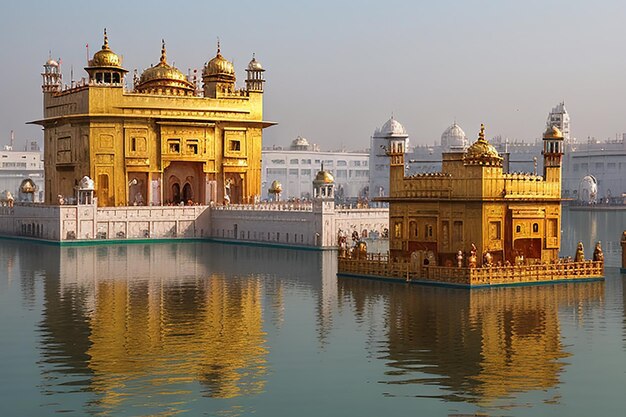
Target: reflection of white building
{"x":15,"y":166}
{"x":379,"y":161}
{"x":296,"y":167}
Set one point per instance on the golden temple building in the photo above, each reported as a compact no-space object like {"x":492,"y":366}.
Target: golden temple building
{"x":472,"y":201}
{"x":163,"y":141}
{"x":473,"y":224}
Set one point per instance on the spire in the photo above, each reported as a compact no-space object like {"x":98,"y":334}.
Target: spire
{"x":106,"y":40}
{"x":163,"y":53}
{"x":218,"y":46}
{"x":481,"y":135}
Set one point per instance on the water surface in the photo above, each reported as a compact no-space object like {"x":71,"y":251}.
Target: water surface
{"x":225,"y":330}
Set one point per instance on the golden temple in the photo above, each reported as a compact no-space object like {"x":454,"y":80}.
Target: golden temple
{"x":474,"y":224}
{"x":163,"y":141}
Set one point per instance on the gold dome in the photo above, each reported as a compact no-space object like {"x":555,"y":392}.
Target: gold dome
{"x":28,"y":186}
{"x":324,"y":177}
{"x":482,"y":152}
{"x":219,"y":66}
{"x":276,"y":187}
{"x":105,"y":57}
{"x":553,"y":132}
{"x":164,"y":78}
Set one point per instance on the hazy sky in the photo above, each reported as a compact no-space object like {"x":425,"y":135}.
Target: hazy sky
{"x":336,"y":70}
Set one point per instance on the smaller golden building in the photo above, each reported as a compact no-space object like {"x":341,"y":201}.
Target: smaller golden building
{"x":473,"y":202}
{"x":473,"y":224}
{"x":163,"y":141}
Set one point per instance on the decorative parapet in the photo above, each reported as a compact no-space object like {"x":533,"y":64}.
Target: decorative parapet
{"x":266,"y":207}
{"x":376,"y":266}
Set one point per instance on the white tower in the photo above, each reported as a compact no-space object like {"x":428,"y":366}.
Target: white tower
{"x":392,"y":130}
{"x":254,"y":80}
{"x":560,"y":118}
{"x":51,"y":76}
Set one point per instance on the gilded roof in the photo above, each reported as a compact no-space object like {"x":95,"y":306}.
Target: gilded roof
{"x":163,"y":76}
{"x":553,"y":132}
{"x":324,"y":177}
{"x":219,"y":66}
{"x":276,"y":187}
{"x":482,"y":152}
{"x":255,"y":65}
{"x":105,"y":57}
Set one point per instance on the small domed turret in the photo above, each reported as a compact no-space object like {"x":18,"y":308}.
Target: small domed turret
{"x":218,"y":75}
{"x":254,"y":81}
{"x":553,"y":132}
{"x":105,"y":57}
{"x":106,"y":66}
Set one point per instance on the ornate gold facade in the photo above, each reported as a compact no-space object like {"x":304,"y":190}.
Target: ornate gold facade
{"x":163,"y":142}
{"x":508,"y":217}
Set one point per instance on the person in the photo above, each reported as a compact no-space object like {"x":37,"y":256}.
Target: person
{"x":138,"y":199}
{"x":598,"y":255}
{"x":580,"y":253}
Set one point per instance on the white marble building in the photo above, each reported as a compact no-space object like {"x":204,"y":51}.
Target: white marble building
{"x":314,"y":224}
{"x":296,"y":167}
{"x":16,"y":166}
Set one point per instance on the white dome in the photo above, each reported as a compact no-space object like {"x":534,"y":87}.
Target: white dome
{"x":588,"y":189}
{"x":453,"y":138}
{"x":255,"y":65}
{"x":51,"y":62}
{"x":392,"y":128}
{"x":300,"y":141}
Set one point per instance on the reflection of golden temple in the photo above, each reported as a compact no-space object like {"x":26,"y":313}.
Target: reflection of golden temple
{"x":473,"y":224}
{"x":148,"y":331}
{"x":484,"y":344}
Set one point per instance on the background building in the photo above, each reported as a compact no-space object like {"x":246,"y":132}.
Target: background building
{"x":163,"y":141}
{"x":296,"y":167}
{"x":17,"y":166}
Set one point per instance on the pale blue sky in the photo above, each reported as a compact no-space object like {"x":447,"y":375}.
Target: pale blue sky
{"x":337,"y":69}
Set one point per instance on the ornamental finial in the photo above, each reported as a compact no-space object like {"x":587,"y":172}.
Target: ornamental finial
{"x":106,"y":40}
{"x":163,"y":53}
{"x":218,"y":45}
{"x":481,"y":135}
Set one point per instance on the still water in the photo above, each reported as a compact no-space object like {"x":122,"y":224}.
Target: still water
{"x":205,"y":329}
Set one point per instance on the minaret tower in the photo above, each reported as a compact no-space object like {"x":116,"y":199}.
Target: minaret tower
{"x":323,"y":192}
{"x":552,"y":156}
{"x":254,"y":81}
{"x":51,"y":76}
{"x":395,"y":152}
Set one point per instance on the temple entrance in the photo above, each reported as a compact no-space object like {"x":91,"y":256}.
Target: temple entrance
{"x":183,"y":183}
{"x":528,"y":248}
{"x":137,"y":188}
{"x":233,"y":188}
{"x":187,"y":193}
{"x":175,"y":193}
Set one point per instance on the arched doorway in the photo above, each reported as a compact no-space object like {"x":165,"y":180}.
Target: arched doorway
{"x":185,"y":181}
{"x":187,"y":193}
{"x":176,"y":193}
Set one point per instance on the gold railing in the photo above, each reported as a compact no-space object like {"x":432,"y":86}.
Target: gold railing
{"x":378,"y":265}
